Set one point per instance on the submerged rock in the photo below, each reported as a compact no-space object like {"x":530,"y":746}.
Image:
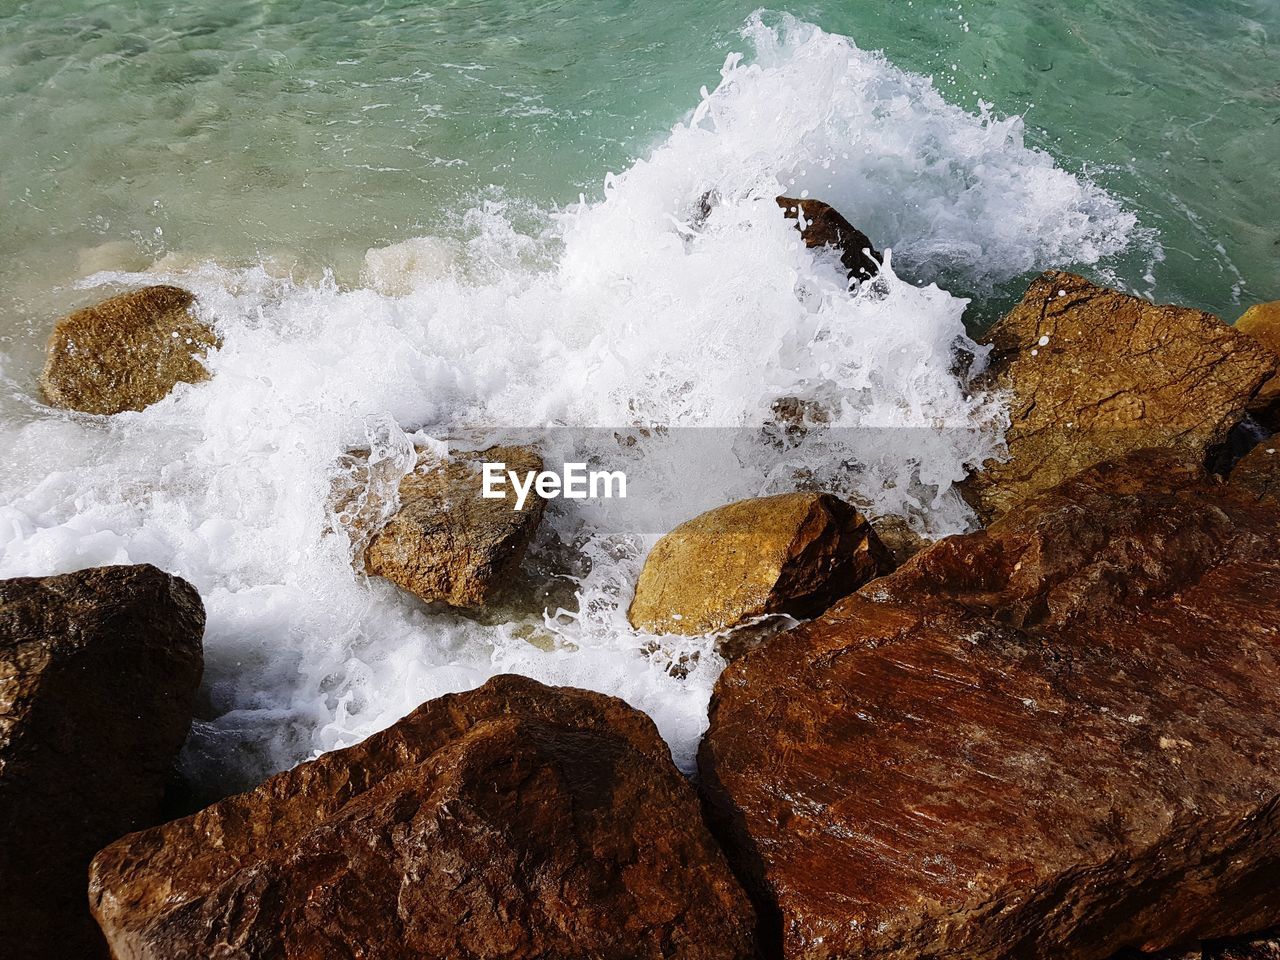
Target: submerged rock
{"x":1094,"y":373}
{"x":513,"y":821}
{"x":1262,"y":322}
{"x":98,"y":675}
{"x":1050,"y":740}
{"x":447,"y":542}
{"x":823,"y":226}
{"x":126,"y":352}
{"x":795,"y":553}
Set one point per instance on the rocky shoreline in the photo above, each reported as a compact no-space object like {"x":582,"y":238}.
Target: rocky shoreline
{"x":1055,"y":737}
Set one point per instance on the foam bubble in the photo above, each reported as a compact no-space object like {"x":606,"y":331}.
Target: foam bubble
{"x":622,"y":314}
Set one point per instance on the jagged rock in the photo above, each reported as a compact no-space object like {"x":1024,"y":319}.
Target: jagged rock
{"x":823,"y":226}
{"x":126,"y":352}
{"x":514,"y":821}
{"x":1259,"y":471}
{"x":795,"y":553}
{"x":448,"y":543}
{"x":1094,"y":373}
{"x":1055,"y":738}
{"x":1262,"y":322}
{"x":98,"y":675}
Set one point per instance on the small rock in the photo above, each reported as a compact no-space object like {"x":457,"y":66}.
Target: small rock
{"x":516,"y":821}
{"x":447,"y":542}
{"x":126,"y":352}
{"x":795,"y":553}
{"x":1259,"y":471}
{"x":898,"y":538}
{"x":825,"y":227}
{"x":98,"y":676}
{"x":1094,"y":373}
{"x":1049,"y":740}
{"x":1262,"y":322}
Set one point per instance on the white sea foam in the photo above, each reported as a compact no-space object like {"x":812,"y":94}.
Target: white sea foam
{"x":623,"y":313}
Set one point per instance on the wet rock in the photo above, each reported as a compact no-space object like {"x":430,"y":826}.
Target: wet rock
{"x":98,"y":674}
{"x":1259,"y":471}
{"x":796,"y":553}
{"x":126,"y":352}
{"x":1262,"y":322}
{"x":1094,"y":373}
{"x":901,"y":542}
{"x":823,"y":226}
{"x":1055,"y":738}
{"x":448,"y":543}
{"x":513,"y":821}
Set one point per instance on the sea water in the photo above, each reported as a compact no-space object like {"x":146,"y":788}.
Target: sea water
{"x":416,"y":225}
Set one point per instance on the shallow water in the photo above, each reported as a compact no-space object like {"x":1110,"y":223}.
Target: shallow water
{"x":378,"y":205}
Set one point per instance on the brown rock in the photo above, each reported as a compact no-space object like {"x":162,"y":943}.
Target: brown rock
{"x":796,"y":553}
{"x":899,"y":540}
{"x":127,"y":352}
{"x":1262,"y":322}
{"x":98,"y":674}
{"x":825,"y":227}
{"x":514,"y":821}
{"x":1094,"y":373}
{"x":1259,"y":471}
{"x":1055,"y":738}
{"x":447,"y":542}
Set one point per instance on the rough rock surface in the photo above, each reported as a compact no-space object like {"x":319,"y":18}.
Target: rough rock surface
{"x":1093,"y":373}
{"x":98,"y":675}
{"x":1259,"y":471}
{"x":447,"y":542}
{"x":825,"y":227}
{"x":126,"y":352}
{"x":794,"y":553}
{"x":1056,"y":738}
{"x":515,"y":821}
{"x":1262,"y":322}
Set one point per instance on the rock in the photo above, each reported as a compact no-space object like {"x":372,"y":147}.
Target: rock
{"x":1055,"y":738}
{"x":447,"y":542}
{"x":901,"y":542}
{"x":1259,"y":471}
{"x":1093,"y":374}
{"x":127,"y":352}
{"x":1265,"y":946}
{"x":796,"y":553}
{"x":1262,"y":322}
{"x":513,"y":821}
{"x":98,"y":675}
{"x":823,"y":226}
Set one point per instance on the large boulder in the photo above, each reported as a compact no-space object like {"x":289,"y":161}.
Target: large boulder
{"x":1262,"y":322}
{"x":1055,"y":738}
{"x":795,"y":553}
{"x":514,"y":821}
{"x":98,"y":676}
{"x":821,"y":225}
{"x":126,"y":352}
{"x":1093,"y":373}
{"x":449,"y":543}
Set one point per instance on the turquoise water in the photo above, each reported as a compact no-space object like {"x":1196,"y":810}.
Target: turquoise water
{"x":308,"y":131}
{"x":378,"y":207}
